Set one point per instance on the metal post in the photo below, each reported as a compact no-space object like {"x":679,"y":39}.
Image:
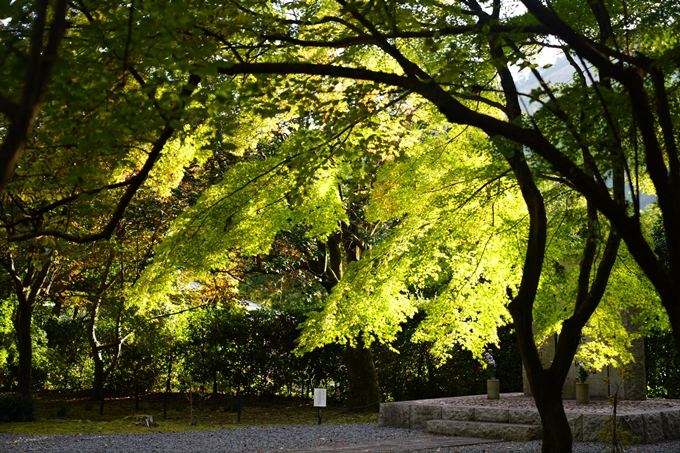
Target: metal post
{"x":318,"y":415}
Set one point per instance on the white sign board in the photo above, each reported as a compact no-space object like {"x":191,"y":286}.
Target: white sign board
{"x":319,"y":397}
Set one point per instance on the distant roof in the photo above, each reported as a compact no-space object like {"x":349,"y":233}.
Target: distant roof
{"x":250,"y":305}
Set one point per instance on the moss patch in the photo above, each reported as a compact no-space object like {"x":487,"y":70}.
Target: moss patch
{"x":59,"y":413}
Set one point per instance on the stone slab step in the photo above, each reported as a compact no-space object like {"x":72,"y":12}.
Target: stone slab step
{"x":489,"y":430}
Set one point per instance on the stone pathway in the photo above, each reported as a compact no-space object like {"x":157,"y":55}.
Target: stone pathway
{"x":405,"y":444}
{"x":652,"y":420}
{"x":519,"y":401}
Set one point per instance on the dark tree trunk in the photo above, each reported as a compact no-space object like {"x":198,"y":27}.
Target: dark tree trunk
{"x":546,"y":384}
{"x":101,"y":373}
{"x":99,"y":378}
{"x":27,"y":290}
{"x":168,"y":384}
{"x":45,"y":41}
{"x":25,"y":346}
{"x":556,"y":431}
{"x":363,"y":394}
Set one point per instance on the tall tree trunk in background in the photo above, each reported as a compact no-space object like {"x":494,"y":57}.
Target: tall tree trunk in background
{"x":99,"y":378}
{"x":101,"y":372}
{"x":27,"y":290}
{"x":22,"y":324}
{"x":364,"y":392}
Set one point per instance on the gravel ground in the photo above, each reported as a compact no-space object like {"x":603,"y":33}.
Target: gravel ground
{"x":244,"y":440}
{"x":271,"y":439}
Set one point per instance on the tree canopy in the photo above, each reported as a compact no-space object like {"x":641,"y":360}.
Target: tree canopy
{"x":529,"y":216}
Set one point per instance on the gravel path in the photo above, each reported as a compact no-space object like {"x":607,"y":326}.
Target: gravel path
{"x":273,"y":439}
{"x":243,"y":440}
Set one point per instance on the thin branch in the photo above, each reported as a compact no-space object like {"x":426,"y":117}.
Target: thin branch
{"x":350,"y":41}
{"x":166,"y":315}
{"x":128,"y":39}
{"x":410,"y":68}
{"x":665,"y":118}
{"x":478,"y":98}
{"x":34,"y":214}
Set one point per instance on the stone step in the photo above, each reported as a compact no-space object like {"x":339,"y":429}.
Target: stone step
{"x":488,"y":430}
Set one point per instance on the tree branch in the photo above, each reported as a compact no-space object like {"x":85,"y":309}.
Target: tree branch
{"x":407,"y":65}
{"x":134,"y":184}
{"x":32,"y":215}
{"x":458,"y":113}
{"x":38,"y":73}
{"x":443,"y":31}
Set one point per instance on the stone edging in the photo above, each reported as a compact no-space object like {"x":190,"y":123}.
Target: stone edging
{"x":650,"y":425}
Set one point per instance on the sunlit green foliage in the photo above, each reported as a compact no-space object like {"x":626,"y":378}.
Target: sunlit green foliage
{"x":335,"y":115}
{"x":454,"y":215}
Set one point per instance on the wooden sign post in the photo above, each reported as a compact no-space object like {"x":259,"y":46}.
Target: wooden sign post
{"x":319,"y":401}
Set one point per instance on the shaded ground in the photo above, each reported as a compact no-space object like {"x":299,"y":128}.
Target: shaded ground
{"x":74,"y":413}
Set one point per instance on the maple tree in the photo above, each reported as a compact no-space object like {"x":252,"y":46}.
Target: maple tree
{"x":599,"y":135}
{"x":610,"y":130}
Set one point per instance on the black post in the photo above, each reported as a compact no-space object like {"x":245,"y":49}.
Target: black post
{"x":239,"y":405}
{"x":165,"y":406}
{"x":136,"y":396}
{"x":318,"y":415}
{"x":101,"y":402}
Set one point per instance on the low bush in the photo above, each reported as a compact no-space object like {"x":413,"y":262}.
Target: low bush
{"x":17,"y":408}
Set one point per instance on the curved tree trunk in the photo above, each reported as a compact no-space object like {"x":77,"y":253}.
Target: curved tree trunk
{"x":546,"y":384}
{"x":101,"y":373}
